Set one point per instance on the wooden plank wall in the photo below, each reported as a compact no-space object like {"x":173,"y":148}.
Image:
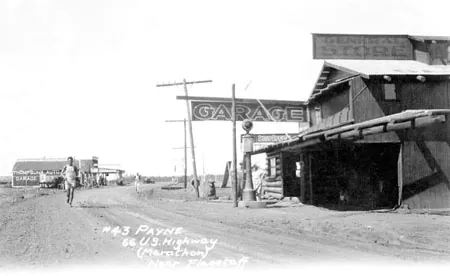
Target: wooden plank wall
{"x":272,"y":186}
{"x":341,"y":117}
{"x":335,"y":110}
{"x":426,"y":174}
{"x":426,"y":153}
{"x":368,"y":104}
{"x":334,"y":104}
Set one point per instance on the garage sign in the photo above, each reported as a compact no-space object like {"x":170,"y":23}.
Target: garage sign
{"x":221,"y":111}
{"x":25,"y":179}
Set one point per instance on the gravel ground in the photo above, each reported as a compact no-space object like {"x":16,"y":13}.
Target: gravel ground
{"x":39,"y":232}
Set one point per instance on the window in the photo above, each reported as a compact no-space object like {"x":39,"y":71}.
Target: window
{"x":318,"y":114}
{"x":272,"y":167}
{"x":390,"y":93}
{"x":298,"y":171}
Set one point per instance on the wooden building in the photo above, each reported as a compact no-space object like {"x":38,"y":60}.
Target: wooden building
{"x":379,"y":131}
{"x":45,"y":171}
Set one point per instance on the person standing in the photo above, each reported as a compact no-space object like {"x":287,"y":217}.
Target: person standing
{"x":137,"y":181}
{"x":70,"y":173}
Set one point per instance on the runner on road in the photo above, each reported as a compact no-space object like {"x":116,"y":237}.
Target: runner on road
{"x":70,"y":173}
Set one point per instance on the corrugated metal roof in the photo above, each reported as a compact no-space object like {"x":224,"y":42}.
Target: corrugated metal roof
{"x":49,"y":165}
{"x":368,"y":68}
{"x":429,"y":37}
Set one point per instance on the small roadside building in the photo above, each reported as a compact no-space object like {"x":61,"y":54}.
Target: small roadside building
{"x":379,"y":131}
{"x":45,"y":171}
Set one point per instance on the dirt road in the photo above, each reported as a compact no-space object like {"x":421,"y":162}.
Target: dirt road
{"x":112,"y":226}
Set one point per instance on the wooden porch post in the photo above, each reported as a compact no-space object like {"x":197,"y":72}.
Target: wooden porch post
{"x":350,"y":101}
{"x":400,"y":174}
{"x":311,"y":201}
{"x":302,"y":178}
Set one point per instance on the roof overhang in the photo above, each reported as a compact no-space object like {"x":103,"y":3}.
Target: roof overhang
{"x":404,"y":120}
{"x":372,"y":68}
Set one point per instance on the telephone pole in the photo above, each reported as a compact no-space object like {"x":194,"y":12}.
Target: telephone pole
{"x":184,"y":83}
{"x":185,"y":148}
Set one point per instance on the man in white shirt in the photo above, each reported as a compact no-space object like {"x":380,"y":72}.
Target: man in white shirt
{"x":70,"y":174}
{"x":137,"y":181}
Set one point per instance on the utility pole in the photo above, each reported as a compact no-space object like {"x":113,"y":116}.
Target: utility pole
{"x":185,"y":154}
{"x":203,"y":163}
{"x":234,"y":180}
{"x":185,"y":148}
{"x":184,"y":83}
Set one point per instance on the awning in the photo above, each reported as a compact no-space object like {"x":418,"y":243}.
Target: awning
{"x":403,"y":120}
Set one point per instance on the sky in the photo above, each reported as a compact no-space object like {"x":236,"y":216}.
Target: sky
{"x":78,"y":78}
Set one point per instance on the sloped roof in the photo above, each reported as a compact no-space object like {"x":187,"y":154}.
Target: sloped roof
{"x":428,"y":37}
{"x":49,"y":165}
{"x":367,"y":68}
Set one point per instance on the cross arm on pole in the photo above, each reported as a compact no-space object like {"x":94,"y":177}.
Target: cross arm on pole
{"x":182,"y":83}
{"x":175,"y":121}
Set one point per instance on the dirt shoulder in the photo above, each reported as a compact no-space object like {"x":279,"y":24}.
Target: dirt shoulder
{"x":418,"y":235}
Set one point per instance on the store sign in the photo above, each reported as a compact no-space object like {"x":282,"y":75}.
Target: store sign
{"x":341,"y":46}
{"x":26,"y":179}
{"x":221,"y":111}
{"x":270,"y":138}
{"x":95,"y":161}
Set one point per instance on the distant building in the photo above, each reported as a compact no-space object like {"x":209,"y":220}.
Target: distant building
{"x":41,"y":171}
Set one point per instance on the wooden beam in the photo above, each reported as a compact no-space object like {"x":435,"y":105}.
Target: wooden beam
{"x":302,"y":145}
{"x":273,"y":184}
{"x":404,"y":116}
{"x":419,"y":122}
{"x":350,"y":101}
{"x":388,"y":123}
{"x":274,"y":195}
{"x":277,"y":190}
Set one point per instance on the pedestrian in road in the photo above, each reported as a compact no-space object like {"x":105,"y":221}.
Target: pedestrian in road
{"x":70,"y":173}
{"x":137,"y":181}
